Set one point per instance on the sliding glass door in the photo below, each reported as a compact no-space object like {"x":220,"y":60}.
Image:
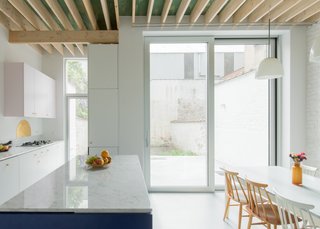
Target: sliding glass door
{"x":244,"y":107}
{"x":177,"y":109}
{"x":205,"y":110}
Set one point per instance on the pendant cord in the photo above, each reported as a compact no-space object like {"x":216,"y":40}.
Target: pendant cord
{"x":269,"y":40}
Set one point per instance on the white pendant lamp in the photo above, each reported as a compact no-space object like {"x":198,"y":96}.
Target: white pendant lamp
{"x":315,"y":51}
{"x":270,"y":67}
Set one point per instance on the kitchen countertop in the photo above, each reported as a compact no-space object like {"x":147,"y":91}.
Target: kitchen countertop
{"x":19,"y":150}
{"x":118,"y":188}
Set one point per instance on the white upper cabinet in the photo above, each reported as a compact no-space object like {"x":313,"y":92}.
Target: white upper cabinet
{"x":103,"y":66}
{"x":28,"y":92}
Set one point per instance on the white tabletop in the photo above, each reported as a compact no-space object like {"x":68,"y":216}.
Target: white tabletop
{"x":280,"y":178}
{"x":118,"y":188}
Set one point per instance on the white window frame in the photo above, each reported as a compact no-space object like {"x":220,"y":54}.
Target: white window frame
{"x":210,"y":106}
{"x":69,"y":96}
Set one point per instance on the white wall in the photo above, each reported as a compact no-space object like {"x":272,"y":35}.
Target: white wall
{"x":15,"y":53}
{"x":131,"y":89}
{"x":294,"y":51}
{"x":52,"y":65}
{"x":313,"y":102}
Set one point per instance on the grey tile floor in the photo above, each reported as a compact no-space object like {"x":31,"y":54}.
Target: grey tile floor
{"x":192,"y":211}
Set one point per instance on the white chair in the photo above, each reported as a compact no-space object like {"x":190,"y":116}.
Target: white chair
{"x":309,"y":170}
{"x":300,"y":213}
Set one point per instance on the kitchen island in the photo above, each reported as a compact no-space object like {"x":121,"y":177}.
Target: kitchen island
{"x":76,"y":197}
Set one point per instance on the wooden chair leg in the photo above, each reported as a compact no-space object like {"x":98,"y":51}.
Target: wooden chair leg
{"x":250,"y":221}
{"x":226,"y":211}
{"x":274,"y":226}
{"x":240,"y":216}
{"x":268,"y":226}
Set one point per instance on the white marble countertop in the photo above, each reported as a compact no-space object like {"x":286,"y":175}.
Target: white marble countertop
{"x":19,"y":150}
{"x":118,"y":188}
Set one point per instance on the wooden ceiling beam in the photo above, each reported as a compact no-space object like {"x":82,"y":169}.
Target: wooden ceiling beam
{"x":26,"y":11}
{"x":58,"y":47}
{"x":133,"y":11}
{"x":149,"y":12}
{"x":43,"y":14}
{"x":230,"y":9}
{"x":197,"y":10}
{"x":263,"y":10}
{"x":71,"y":37}
{"x":165,"y":10}
{"x":306,"y":13}
{"x":181,"y":10}
{"x":37,"y":48}
{"x":92,"y":18}
{"x":7,"y":9}
{"x":297,"y":9}
{"x":246,"y":9}
{"x":280,"y":9}
{"x":47,"y":47}
{"x":34,"y":20}
{"x":77,"y":17}
{"x":315,"y":18}
{"x":7,"y":23}
{"x":75,"y":14}
{"x":106,"y":14}
{"x":116,"y":10}
{"x":70,"y":48}
{"x":81,"y":49}
{"x":58,"y":11}
{"x":21,"y":23}
{"x":46,"y":17}
{"x":213,"y":10}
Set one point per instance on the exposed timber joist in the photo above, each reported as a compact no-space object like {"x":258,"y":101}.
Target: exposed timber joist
{"x":81,"y":37}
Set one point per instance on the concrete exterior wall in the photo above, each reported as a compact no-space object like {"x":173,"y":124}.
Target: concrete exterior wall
{"x":177,"y":105}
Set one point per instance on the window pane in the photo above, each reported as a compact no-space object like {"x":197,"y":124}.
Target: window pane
{"x":241,"y":108}
{"x":178,"y":115}
{"x":76,"y":76}
{"x":78,"y":126}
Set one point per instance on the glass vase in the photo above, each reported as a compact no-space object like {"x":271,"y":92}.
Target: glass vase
{"x":296,"y":174}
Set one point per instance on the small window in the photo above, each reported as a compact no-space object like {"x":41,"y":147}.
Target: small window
{"x":76,"y":76}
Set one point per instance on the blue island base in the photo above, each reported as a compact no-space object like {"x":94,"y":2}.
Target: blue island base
{"x":66,"y":220}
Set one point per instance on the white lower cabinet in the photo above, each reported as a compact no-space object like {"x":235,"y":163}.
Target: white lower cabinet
{"x":9,"y":179}
{"x":18,"y":173}
{"x":28,"y":169}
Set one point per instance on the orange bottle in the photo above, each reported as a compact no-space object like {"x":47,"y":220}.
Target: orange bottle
{"x":296,"y":174}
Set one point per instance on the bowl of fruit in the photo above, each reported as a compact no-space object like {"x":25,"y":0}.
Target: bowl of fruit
{"x":5,"y":147}
{"x":99,"y":161}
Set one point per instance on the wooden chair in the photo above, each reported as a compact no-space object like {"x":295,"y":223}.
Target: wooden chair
{"x":235,"y":192}
{"x":309,"y":170}
{"x":299,"y":211}
{"x":261,"y":206}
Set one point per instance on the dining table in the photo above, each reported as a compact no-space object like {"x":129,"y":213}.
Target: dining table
{"x":280,"y":179}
